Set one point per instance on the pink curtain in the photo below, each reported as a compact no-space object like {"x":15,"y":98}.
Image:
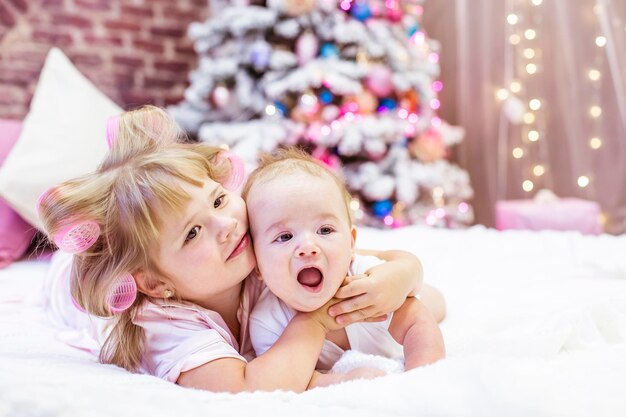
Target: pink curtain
{"x":540,"y":87}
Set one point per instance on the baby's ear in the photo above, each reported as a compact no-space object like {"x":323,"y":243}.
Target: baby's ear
{"x":257,"y":272}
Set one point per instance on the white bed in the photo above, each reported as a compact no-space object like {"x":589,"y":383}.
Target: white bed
{"x":536,"y":326}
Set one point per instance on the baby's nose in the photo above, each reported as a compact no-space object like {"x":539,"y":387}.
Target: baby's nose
{"x":307,"y":248}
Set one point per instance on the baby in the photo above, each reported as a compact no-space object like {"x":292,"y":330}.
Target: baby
{"x":304,"y":240}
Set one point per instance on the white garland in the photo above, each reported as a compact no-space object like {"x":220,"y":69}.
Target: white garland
{"x":342,"y":78}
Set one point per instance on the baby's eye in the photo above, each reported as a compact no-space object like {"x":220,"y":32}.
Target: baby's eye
{"x":284,"y":237}
{"x":193,"y":233}
{"x":219,"y":201}
{"x":326,"y":230}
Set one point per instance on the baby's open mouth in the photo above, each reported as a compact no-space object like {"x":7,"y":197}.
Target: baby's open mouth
{"x":311,"y":279}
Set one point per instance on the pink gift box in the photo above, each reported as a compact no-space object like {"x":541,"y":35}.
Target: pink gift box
{"x":558,"y":214}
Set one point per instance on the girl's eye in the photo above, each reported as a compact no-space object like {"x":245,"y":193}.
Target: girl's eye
{"x":284,"y":237}
{"x":219,"y":201}
{"x":193,"y":233}
{"x":326,"y":230}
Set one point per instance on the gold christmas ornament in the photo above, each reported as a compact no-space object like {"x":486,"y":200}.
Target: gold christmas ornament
{"x":299,"y":7}
{"x":300,"y":115}
{"x":428,"y":147}
{"x":365,"y":100}
{"x":410,"y":101}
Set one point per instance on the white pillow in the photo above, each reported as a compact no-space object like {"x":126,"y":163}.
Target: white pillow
{"x":63,"y":135}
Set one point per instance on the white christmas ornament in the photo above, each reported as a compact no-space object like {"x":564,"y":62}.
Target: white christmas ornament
{"x":307,"y":46}
{"x":380,"y":189}
{"x":375,"y":148}
{"x":379,"y":81}
{"x":220,"y":96}
{"x":407,"y":191}
{"x":260,"y":54}
{"x":330,"y":113}
{"x":352,"y":141}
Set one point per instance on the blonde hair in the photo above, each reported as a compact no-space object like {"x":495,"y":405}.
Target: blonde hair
{"x":289,"y":160}
{"x":141,"y":173}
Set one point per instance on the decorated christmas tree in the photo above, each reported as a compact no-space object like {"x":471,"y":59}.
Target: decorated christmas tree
{"x":354,"y":82}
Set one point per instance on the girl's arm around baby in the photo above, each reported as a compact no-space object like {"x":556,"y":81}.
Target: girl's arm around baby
{"x":288,"y":365}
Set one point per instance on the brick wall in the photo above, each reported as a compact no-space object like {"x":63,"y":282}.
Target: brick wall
{"x":134,"y":51}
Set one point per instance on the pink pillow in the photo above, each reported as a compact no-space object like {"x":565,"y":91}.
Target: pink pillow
{"x":15,"y":233}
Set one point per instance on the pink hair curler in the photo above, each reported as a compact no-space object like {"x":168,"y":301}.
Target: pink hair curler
{"x":40,"y":199}
{"x":123,"y":294}
{"x":113,"y":123}
{"x":77,"y":237}
{"x":237,"y":171}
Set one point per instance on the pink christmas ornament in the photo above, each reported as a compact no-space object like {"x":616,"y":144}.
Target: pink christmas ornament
{"x":220,"y":96}
{"x":314,"y":132}
{"x":307,"y":47}
{"x":330,"y":160}
{"x":379,"y":81}
{"x":393,"y":11}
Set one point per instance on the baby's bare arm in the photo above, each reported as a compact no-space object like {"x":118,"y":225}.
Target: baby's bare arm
{"x":415,"y":328}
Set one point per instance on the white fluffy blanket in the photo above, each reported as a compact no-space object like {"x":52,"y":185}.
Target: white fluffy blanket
{"x":536,"y":326}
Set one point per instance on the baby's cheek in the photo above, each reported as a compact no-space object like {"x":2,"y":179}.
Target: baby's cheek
{"x":263,"y":259}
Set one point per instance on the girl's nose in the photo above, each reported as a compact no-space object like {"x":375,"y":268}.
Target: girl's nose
{"x":226,"y":225}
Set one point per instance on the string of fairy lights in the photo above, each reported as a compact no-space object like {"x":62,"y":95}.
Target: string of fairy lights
{"x":522,"y":93}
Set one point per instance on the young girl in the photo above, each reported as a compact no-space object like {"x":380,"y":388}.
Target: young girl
{"x":161,"y":246}
{"x":304,"y":240}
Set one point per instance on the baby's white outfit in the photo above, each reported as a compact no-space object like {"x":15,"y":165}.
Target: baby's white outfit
{"x":271,"y":316}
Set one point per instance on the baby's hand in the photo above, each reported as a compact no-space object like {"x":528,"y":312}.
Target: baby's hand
{"x":364,"y":298}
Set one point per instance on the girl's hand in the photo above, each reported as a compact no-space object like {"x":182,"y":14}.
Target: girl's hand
{"x":365,"y":298}
{"x":381,"y":290}
{"x":322,"y":317}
